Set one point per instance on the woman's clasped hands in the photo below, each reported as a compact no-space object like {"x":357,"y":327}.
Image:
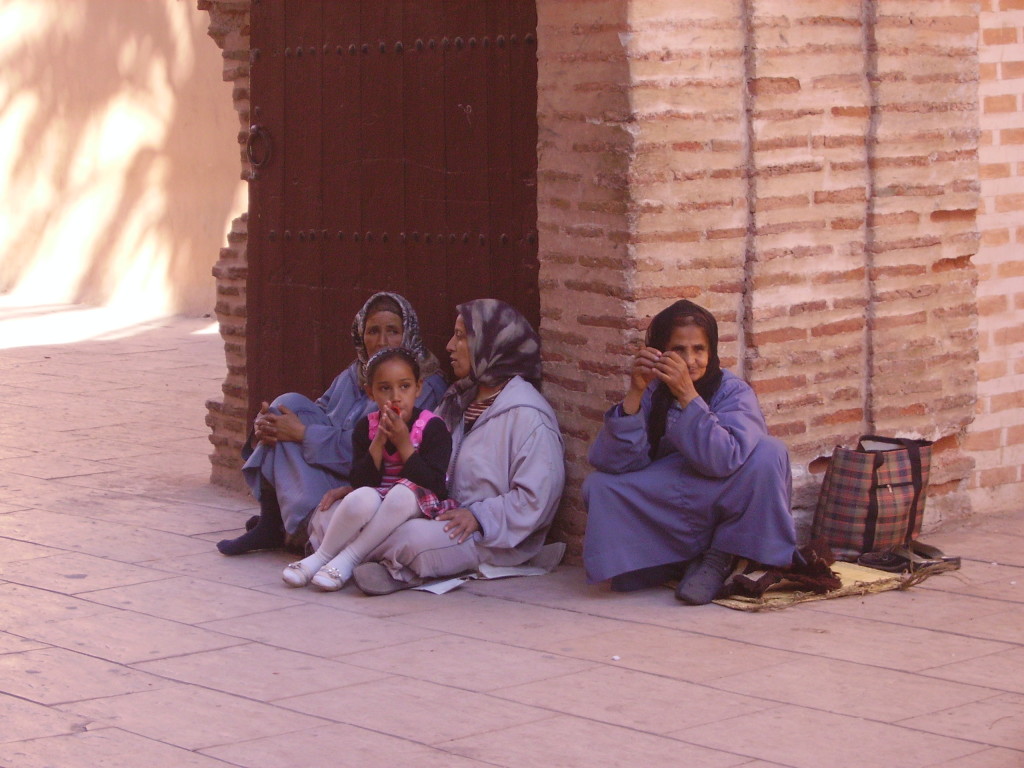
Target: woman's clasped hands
{"x":271,"y":428}
{"x":391,"y":428}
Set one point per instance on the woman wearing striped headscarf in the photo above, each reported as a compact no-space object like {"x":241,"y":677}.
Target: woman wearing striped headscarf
{"x":507,"y":468}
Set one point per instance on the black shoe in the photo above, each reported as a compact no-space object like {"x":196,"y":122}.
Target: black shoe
{"x":267,"y":532}
{"x":260,"y":537}
{"x":703,"y":581}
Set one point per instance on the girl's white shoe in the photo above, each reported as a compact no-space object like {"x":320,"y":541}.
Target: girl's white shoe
{"x":294,"y":575}
{"x":328,"y":579}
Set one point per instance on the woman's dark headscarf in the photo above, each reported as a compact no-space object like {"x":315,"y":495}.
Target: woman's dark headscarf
{"x":411,"y":338}
{"x":682,"y":313}
{"x":502,"y":344}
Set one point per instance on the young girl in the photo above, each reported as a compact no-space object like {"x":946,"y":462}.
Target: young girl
{"x":400,"y":455}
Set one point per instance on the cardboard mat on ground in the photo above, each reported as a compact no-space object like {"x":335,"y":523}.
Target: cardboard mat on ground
{"x":855,"y":579}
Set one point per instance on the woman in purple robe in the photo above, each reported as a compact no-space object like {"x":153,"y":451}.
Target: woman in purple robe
{"x":687,"y":476}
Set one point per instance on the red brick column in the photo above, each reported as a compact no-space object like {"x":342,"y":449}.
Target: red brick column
{"x":229,"y":27}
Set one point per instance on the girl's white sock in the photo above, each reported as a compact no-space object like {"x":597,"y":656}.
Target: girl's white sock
{"x":310,"y":565}
{"x":344,"y":564}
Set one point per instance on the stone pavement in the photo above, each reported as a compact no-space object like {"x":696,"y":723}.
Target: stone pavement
{"x":128,"y":640}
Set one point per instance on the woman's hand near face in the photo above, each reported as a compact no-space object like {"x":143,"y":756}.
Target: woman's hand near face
{"x":672,"y":370}
{"x":398,"y":433}
{"x":641,"y":374}
{"x":461,"y":523}
{"x":380,"y":439}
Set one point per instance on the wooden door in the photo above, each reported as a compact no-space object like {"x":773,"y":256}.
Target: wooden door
{"x":394,"y":148}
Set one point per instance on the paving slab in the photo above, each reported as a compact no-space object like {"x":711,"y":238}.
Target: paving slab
{"x":107,"y":747}
{"x":58,"y":676}
{"x":675,"y":654}
{"x":340,"y":746}
{"x":522,"y":625}
{"x":189,"y":600}
{"x":77,"y":533}
{"x":625,"y":697}
{"x":191,"y":717}
{"x":27,"y":720}
{"x":321,"y":629}
{"x":75,"y":573}
{"x":856,"y":639}
{"x":857,"y":690}
{"x":463,"y":662}
{"x":1001,"y":671}
{"x":25,"y":607}
{"x":13,"y":644}
{"x":421,"y":711}
{"x":573,"y":742}
{"x":998,"y":721}
{"x":260,"y":672}
{"x":806,"y":738}
{"x":126,"y":637}
{"x":985,"y":758}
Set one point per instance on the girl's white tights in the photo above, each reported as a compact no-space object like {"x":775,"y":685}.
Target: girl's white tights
{"x":359,"y":525}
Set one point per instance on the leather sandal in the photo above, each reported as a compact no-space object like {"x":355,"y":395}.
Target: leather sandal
{"x":888,"y":560}
{"x":934,"y":553}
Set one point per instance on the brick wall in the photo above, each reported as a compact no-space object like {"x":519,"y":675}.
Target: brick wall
{"x":809,"y":171}
{"x":996,"y":438}
{"x":229,"y":27}
{"x":806,"y":170}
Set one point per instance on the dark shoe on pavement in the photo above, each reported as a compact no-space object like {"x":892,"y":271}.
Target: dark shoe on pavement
{"x":702,"y":582}
{"x":884,"y":560}
{"x":261,"y":537}
{"x":374,"y":579}
{"x":267,"y":532}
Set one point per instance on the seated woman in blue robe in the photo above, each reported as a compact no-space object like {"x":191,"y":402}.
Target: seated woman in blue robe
{"x":687,"y":476}
{"x":303,"y":454}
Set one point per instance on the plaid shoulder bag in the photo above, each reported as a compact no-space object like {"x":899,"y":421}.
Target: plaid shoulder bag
{"x":872,"y":497}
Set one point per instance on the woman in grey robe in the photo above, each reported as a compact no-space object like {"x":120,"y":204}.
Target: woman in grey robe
{"x":688,"y":476}
{"x":507,"y":467}
{"x":304,"y":451}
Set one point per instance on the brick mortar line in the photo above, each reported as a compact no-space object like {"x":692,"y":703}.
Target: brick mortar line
{"x":745,"y":310}
{"x":869,"y":20}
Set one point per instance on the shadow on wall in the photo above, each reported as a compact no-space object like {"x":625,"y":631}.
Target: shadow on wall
{"x":120,"y":171}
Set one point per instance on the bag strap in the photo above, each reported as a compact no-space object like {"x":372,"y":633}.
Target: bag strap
{"x":871,"y":522}
{"x":914,"y":450}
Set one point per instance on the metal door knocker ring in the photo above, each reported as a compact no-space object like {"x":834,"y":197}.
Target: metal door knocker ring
{"x":258,"y":135}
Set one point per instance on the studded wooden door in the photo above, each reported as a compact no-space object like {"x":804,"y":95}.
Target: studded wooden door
{"x":394,"y":147}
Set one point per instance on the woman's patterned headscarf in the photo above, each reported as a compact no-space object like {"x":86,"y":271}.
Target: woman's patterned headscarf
{"x":411,"y":338}
{"x":502,"y":344}
{"x":658,"y":334}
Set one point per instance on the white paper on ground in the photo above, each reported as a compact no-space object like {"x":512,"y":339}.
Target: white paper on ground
{"x":440,"y":587}
{"x":543,"y":562}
